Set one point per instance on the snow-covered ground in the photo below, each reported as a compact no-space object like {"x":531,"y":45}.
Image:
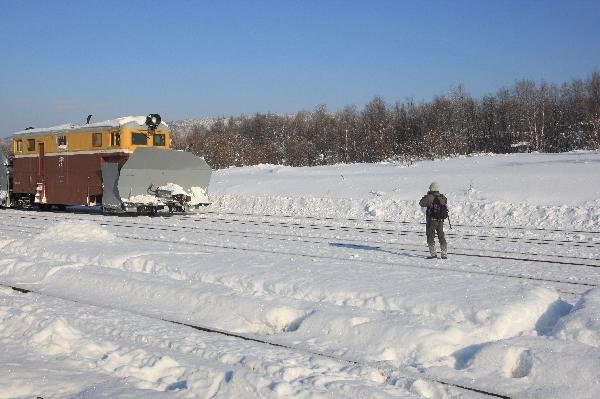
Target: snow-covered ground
{"x":549,"y":190}
{"x":313,"y":282}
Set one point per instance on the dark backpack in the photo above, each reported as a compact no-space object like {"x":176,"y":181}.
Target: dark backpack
{"x":438,"y":211}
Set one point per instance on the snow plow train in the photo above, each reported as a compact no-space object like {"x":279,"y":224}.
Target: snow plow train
{"x":124,"y":165}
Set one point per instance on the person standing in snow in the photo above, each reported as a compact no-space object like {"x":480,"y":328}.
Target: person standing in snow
{"x":436,"y":204}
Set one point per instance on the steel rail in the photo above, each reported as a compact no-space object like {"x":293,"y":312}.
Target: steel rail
{"x":447,"y":269}
{"x":381,"y":263}
{"x":173,"y":228}
{"x":374,"y":230}
{"x":530,"y":240}
{"x":387,"y":221}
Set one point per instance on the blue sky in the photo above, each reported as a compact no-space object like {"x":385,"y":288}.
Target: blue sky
{"x":64,"y":59}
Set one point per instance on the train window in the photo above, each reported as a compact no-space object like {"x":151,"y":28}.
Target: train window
{"x":19,"y":145}
{"x":61,"y":141}
{"x":139,"y":139}
{"x":115,"y":139}
{"x":30,"y":144}
{"x":159,"y":140}
{"x":96,"y":139}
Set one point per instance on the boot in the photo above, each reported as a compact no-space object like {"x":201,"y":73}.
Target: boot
{"x":432,"y":253}
{"x":444,"y":253}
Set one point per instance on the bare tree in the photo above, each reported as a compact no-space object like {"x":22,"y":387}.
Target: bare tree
{"x":5,"y":147}
{"x":377,"y":131}
{"x":348,"y":132}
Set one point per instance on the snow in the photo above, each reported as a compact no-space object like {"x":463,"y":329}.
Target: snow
{"x":352,"y":306}
{"x":145,"y":199}
{"x":545,"y":190}
{"x":67,"y":231}
{"x":583,"y":323}
{"x":174,"y":188}
{"x":138,"y":120}
{"x":198,"y":195}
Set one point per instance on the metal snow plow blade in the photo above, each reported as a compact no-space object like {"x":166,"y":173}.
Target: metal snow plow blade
{"x":153,"y":178}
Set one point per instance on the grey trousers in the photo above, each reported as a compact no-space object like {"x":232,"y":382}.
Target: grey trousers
{"x":433,"y":227}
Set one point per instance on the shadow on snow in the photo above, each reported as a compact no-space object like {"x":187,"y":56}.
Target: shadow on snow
{"x":362,"y":247}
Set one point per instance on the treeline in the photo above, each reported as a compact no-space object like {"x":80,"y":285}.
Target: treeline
{"x":525,"y":117}
{"x":528,"y":116}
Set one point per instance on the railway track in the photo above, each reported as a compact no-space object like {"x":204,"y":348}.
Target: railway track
{"x":582,"y":285}
{"x":403,"y":232}
{"x":394,"y":222}
{"x":371,"y":230}
{"x":391,"y":373}
{"x":379,"y":244}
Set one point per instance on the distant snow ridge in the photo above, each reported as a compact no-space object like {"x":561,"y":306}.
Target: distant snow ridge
{"x":186,"y":126}
{"x":558,"y":191}
{"x":494,"y":213}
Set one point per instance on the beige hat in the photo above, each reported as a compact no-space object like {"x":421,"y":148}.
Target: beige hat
{"x":434,"y":187}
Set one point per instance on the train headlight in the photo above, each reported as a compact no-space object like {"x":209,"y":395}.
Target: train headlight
{"x":153,"y":120}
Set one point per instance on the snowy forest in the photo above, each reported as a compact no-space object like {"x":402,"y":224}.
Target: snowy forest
{"x":526,"y":117}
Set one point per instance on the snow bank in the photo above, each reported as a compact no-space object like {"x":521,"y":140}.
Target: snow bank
{"x":531,"y":367}
{"x":66,"y":350}
{"x":432,"y":343}
{"x":145,"y":199}
{"x":197,"y":195}
{"x":56,"y":337}
{"x":76,"y":231}
{"x":125,"y":120}
{"x":547,"y":190}
{"x":583,"y":323}
{"x":494,"y":213}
